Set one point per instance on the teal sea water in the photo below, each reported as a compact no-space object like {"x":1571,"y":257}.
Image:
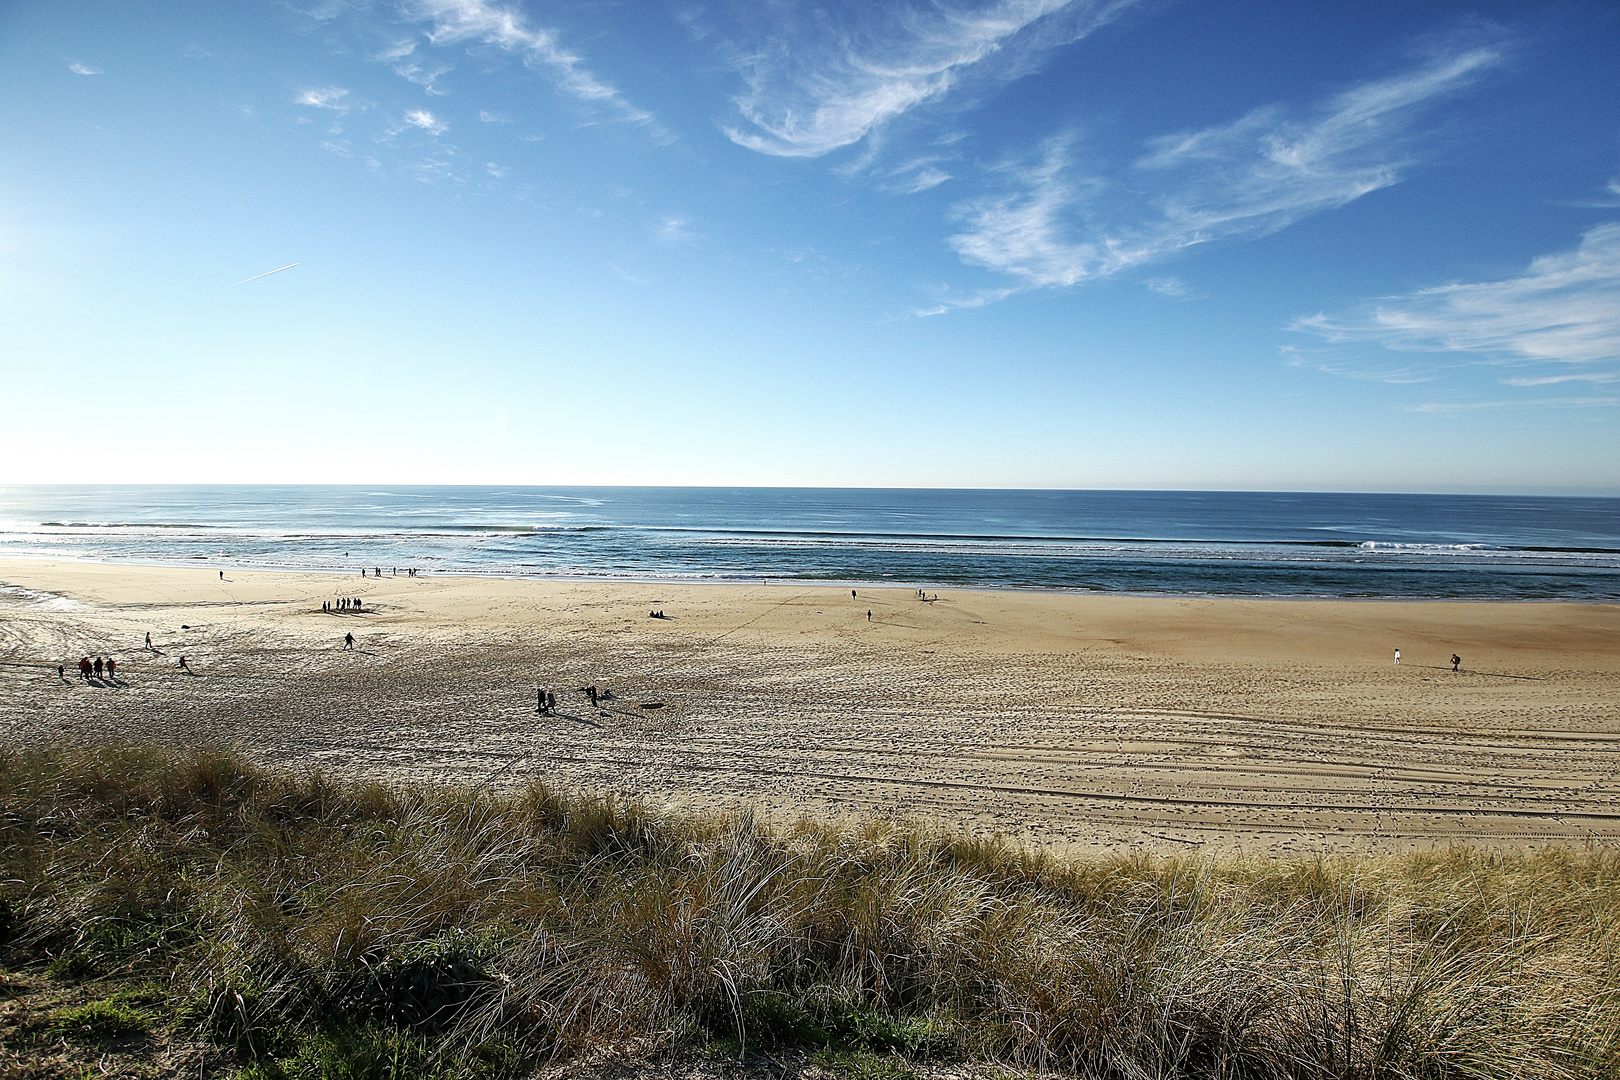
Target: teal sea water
{"x":1189,"y":543}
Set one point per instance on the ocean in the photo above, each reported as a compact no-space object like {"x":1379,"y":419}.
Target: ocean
{"x":1145,"y":542}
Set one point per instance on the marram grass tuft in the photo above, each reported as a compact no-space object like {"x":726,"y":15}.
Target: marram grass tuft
{"x":291,"y":916}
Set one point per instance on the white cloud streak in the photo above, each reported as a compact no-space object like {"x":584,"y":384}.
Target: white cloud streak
{"x":1251,"y":177}
{"x":1549,"y":380}
{"x":83,"y":69}
{"x":812,"y":90}
{"x":674,"y":229}
{"x":328,"y":97}
{"x":461,"y":21}
{"x":1564,"y":309}
{"x":1449,"y":407}
{"x":425,"y":120}
{"x":921,"y":178}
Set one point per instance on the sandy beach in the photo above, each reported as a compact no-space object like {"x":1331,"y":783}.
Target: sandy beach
{"x":1090,"y":722}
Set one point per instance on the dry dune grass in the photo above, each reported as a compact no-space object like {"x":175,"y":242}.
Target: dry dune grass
{"x":492,"y":934}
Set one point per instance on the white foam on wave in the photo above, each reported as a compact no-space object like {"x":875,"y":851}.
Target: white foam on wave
{"x":1427,"y":549}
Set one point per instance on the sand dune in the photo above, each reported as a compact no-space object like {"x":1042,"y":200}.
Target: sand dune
{"x":1090,"y":722}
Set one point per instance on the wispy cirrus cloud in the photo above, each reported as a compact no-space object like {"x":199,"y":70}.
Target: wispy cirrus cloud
{"x":421,"y":118}
{"x":675,"y":229}
{"x":919,"y":175}
{"x":457,"y":22}
{"x":326,"y":97}
{"x":1449,"y":407}
{"x":1250,"y":177}
{"x":84,"y":69}
{"x":813,"y":87}
{"x":1549,"y":380}
{"x":1609,"y":200}
{"x":1564,"y":309}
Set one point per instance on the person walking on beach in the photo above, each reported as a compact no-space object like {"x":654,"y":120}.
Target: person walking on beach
{"x":348,"y":641}
{"x":540,"y":703}
{"x":186,"y":667}
{"x":1397,"y":657}
{"x":149,"y":639}
{"x":222,"y":575}
{"x":112,"y":669}
{"x":61,"y":672}
{"x":98,"y":667}
{"x":590,"y":692}
{"x":1455,"y":661}
{"x":84,"y":668}
{"x":852,"y":594}
{"x":551,"y":702}
{"x":868,"y":614}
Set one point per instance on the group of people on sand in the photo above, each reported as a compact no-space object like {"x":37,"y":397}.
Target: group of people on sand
{"x":98,"y":669}
{"x":376,"y":571}
{"x":1456,"y":661}
{"x":92,"y":668}
{"x":547,"y":701}
{"x":347,"y":603}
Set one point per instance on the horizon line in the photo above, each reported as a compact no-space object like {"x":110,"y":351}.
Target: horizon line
{"x":1521,"y":491}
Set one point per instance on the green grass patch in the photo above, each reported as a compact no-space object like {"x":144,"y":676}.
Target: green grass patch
{"x":864,"y":1065}
{"x":109,"y":1018}
{"x":71,"y":966}
{"x":382,"y":1052}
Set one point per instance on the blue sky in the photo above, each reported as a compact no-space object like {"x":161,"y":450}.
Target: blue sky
{"x":1054,"y":243}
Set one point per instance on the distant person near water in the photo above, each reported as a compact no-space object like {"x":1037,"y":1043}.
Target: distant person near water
{"x":84,"y":668}
{"x":1397,"y":656}
{"x":98,"y":667}
{"x":868,"y":614}
{"x":222,"y":575}
{"x":1455,"y":661}
{"x":149,"y":639}
{"x":112,"y":668}
{"x":348,"y":641}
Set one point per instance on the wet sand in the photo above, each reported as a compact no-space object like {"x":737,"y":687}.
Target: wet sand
{"x":1094,"y":723}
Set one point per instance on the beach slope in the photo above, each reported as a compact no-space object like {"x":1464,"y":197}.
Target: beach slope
{"x":1087,"y":722}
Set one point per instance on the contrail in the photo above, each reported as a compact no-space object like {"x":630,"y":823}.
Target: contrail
{"x":256,"y":277}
